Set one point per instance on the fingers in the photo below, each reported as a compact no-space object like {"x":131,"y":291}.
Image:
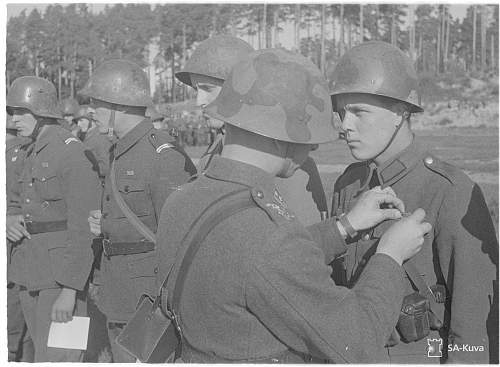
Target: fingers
{"x":390,"y":198}
{"x":418,"y":215}
{"x":16,"y":231}
{"x":391,"y":214}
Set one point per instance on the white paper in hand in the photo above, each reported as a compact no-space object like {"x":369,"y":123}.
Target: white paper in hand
{"x":69,"y":335}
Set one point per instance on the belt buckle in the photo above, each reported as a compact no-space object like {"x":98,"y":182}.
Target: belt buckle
{"x":105,"y":242}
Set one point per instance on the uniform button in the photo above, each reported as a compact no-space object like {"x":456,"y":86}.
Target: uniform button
{"x":366,"y":237}
{"x":363,"y":262}
{"x":155,"y":270}
{"x":28,"y":215}
{"x":45,"y":204}
{"x":30,"y":184}
{"x":43,"y":179}
{"x":429,"y":160}
{"x":16,"y":150}
{"x":28,"y":200}
{"x":260,"y":194}
{"x":346,"y":347}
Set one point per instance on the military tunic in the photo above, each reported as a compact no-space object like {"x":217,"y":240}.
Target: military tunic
{"x":260,"y":285}
{"x":460,"y":252}
{"x":303,"y":192}
{"x":148,"y":168}
{"x":14,"y":159}
{"x":57,"y":186}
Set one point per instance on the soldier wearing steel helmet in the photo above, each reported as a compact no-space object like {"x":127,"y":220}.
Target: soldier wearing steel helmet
{"x":374,"y":89}
{"x":145,"y":168}
{"x":206,"y":71}
{"x":97,"y":143}
{"x":69,"y":108}
{"x":51,"y":258}
{"x":19,"y":343}
{"x":258,"y":288}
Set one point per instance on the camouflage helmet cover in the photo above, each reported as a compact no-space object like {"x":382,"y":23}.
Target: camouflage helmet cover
{"x":377,"y":68}
{"x":120,"y":82}
{"x":35,"y":94}
{"x":278,"y":94}
{"x":69,"y":106}
{"x":214,"y":57}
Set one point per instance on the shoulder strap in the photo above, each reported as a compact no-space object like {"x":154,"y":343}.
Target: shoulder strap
{"x":419,"y":281}
{"x":132,"y":218}
{"x":210,"y":220}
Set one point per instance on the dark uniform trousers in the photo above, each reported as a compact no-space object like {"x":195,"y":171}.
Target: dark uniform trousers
{"x":459,"y":254}
{"x":19,"y":342}
{"x":303,"y":192}
{"x":148,"y":168}
{"x":57,"y":190}
{"x":259,"y":287}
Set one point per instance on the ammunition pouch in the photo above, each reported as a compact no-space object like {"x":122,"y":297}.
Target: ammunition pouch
{"x":416,"y":318}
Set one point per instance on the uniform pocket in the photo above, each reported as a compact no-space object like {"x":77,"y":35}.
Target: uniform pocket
{"x":134,"y":194}
{"x":46,"y":183}
{"x":142,"y":274}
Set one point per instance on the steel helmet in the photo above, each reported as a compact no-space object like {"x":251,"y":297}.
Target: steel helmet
{"x":377,"y":68}
{"x":278,"y":94}
{"x":35,"y":94}
{"x":69,"y":106}
{"x":120,"y":82}
{"x":214,"y":57}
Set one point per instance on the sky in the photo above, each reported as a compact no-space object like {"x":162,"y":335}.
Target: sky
{"x":15,"y":7}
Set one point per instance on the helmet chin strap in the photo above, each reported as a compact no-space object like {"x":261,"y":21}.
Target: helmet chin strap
{"x":111,"y":125}
{"x":394,"y":134}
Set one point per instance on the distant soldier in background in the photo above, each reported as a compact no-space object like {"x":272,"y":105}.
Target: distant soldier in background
{"x":19,"y":341}
{"x":69,"y":108}
{"x":96,"y":142}
{"x":146,"y":167}
{"x":205,"y":71}
{"x":374,"y":88}
{"x":155,"y":116}
{"x":51,"y":257}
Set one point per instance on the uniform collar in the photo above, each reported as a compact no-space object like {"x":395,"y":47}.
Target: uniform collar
{"x":45,"y":137}
{"x":17,"y":141}
{"x":229,"y":170}
{"x":399,"y":165}
{"x":133,"y":136}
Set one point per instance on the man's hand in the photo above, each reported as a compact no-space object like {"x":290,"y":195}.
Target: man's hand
{"x":367,"y":211}
{"x":95,"y":222}
{"x":64,"y":305}
{"x":15,"y":228}
{"x":404,"y":238}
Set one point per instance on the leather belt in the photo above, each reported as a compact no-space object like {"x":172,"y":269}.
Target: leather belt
{"x":126,"y":248}
{"x":44,"y":227}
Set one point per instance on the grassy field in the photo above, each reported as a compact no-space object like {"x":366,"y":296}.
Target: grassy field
{"x":475,"y":150}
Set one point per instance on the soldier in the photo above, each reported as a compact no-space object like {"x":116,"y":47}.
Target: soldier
{"x":19,"y":342}
{"x":155,"y":116}
{"x":146,"y":167}
{"x":374,"y":88}
{"x":98,"y":145}
{"x":206,"y":71}
{"x":259,"y":288}
{"x":69,"y":108}
{"x":52,"y":256}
